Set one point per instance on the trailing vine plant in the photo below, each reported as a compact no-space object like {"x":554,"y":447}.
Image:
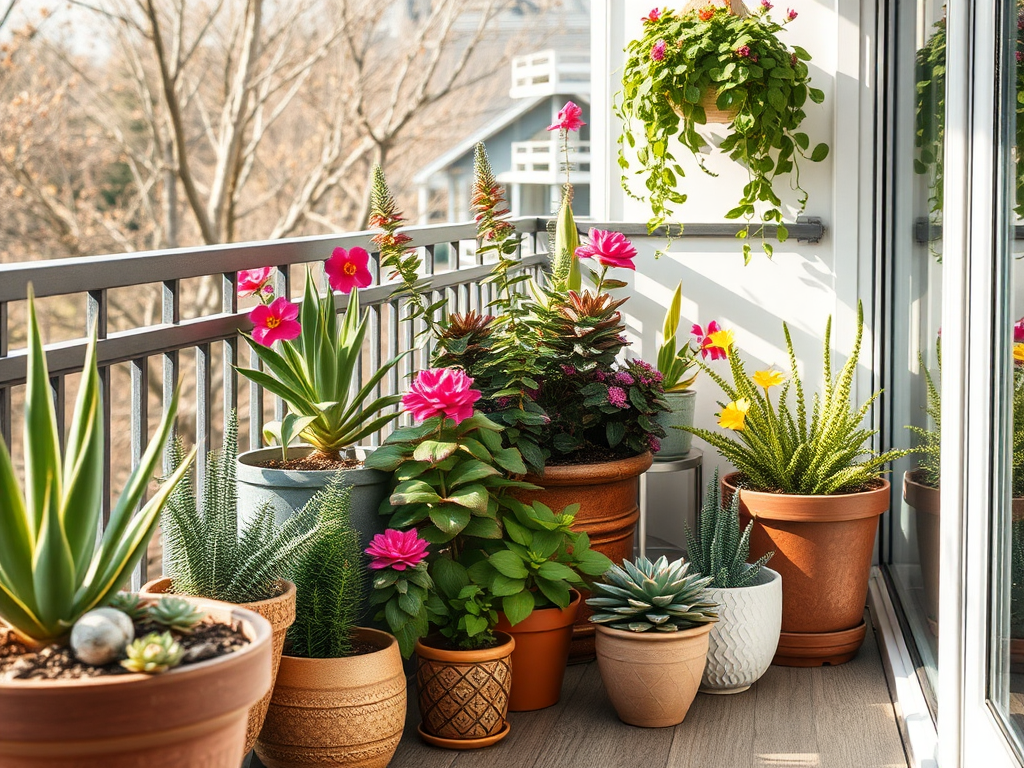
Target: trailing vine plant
{"x":689,"y":61}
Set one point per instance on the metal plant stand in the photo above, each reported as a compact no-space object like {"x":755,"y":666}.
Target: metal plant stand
{"x":694,"y":460}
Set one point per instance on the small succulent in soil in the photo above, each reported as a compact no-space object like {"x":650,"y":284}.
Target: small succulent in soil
{"x":176,"y":614}
{"x":101,"y":636}
{"x":153,"y":654}
{"x":131,"y":604}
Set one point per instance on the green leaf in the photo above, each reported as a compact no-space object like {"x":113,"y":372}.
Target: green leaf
{"x":517,"y":607}
{"x":510,"y":460}
{"x":482,"y":528}
{"x":470,"y":471}
{"x":414,"y":492}
{"x":472,"y":497}
{"x":450,"y":518}
{"x":556,"y":571}
{"x":503,"y":586}
{"x":449,"y":576}
{"x":555,"y":591}
{"x":434,"y":451}
{"x":820,"y":153}
{"x":509,"y":564}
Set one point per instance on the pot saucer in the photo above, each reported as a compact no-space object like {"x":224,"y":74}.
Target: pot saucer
{"x":486,"y":741}
{"x":816,"y":649}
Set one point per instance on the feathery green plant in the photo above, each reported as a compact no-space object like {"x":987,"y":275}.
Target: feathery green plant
{"x":776,"y":450}
{"x":930,"y":446}
{"x":205,"y":552}
{"x":719,"y":549}
{"x":330,"y":579}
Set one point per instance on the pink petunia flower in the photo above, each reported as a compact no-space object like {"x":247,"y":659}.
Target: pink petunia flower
{"x":617,"y":397}
{"x":275,"y":321}
{"x":658,"y":50}
{"x":743,"y":51}
{"x":704,"y":340}
{"x":251,"y":282}
{"x":791,"y":14}
{"x":446,"y":392}
{"x":652,"y":17}
{"x":611,"y":249}
{"x":569,"y":118}
{"x":348,"y":269}
{"x":396,"y":549}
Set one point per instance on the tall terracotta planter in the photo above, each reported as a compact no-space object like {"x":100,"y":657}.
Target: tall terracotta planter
{"x":463,"y":695}
{"x":341,"y":712}
{"x":652,"y":677}
{"x":280,"y":612}
{"x":608,"y":494}
{"x":926,"y":502}
{"x":541,"y":652}
{"x":194,"y":715}
{"x":823,"y":547}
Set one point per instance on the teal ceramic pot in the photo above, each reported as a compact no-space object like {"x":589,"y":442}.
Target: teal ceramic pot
{"x":676,"y":443}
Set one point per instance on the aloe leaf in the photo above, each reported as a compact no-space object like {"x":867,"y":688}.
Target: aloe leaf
{"x":42,"y":458}
{"x":16,"y":544}
{"x":309,"y":316}
{"x":54,"y":568}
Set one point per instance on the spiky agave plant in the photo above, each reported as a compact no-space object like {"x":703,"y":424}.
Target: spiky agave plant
{"x":643,"y":596}
{"x":719,"y":549}
{"x":207,"y":553}
{"x":54,"y":563}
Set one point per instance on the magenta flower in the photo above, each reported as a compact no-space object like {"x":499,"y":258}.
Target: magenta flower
{"x":1020,"y":57}
{"x":743,"y":51}
{"x":611,"y":249}
{"x":653,"y":443}
{"x":446,"y":392}
{"x":568,"y":370}
{"x":275,"y":322}
{"x":617,"y":397}
{"x":396,"y":549}
{"x":653,"y":16}
{"x":568,"y":118}
{"x":766,"y":5}
{"x":658,"y":50}
{"x":791,"y":14}
{"x":348,"y":269}
{"x":624,"y":377}
{"x":1018,"y":331}
{"x":253,"y":281}
{"x":706,"y":345}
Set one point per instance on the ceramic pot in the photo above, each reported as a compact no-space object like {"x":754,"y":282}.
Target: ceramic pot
{"x":193,"y":715}
{"x":652,"y":677}
{"x":280,"y":612}
{"x":539,"y":659}
{"x":608,"y":495}
{"x":823,"y":547}
{"x":926,"y":501}
{"x":745,"y":637}
{"x":676,"y":442}
{"x":342,"y":712}
{"x":463,"y":695}
{"x":289,"y":490}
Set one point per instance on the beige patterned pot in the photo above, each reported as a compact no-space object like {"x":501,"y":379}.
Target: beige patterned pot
{"x":652,"y":677}
{"x":341,"y":712}
{"x":280,"y":612}
{"x":463,"y":695}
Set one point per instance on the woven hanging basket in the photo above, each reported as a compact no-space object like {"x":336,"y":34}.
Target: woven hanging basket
{"x":709,"y":99}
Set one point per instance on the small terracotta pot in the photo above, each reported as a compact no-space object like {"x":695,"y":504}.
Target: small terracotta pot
{"x":823,"y":547}
{"x":280,"y":612}
{"x":608,"y":494}
{"x":539,"y":659}
{"x":652,"y":677}
{"x":343,"y":712}
{"x":194,"y":715}
{"x":463,"y":695}
{"x":926,"y":501}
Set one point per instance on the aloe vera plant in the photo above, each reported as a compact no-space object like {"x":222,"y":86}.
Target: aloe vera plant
{"x":54,"y":564}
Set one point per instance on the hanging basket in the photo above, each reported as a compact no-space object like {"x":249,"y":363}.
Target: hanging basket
{"x":736,"y":7}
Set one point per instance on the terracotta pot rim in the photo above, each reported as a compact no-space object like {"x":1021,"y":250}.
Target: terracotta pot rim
{"x":908,"y":477}
{"x":806,"y":508}
{"x":504,"y":648}
{"x":256,"y":628}
{"x":544,"y":618}
{"x":153,"y":588}
{"x":655,"y":636}
{"x":383,"y":640}
{"x":598,"y":472}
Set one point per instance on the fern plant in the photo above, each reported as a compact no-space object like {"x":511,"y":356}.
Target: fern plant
{"x":781,"y":451}
{"x":330,"y":579}
{"x":930,"y":439}
{"x":719,"y":549}
{"x":207,"y":554}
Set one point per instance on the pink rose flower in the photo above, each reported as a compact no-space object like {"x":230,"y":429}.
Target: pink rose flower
{"x":446,"y":392}
{"x":568,"y":118}
{"x":611,"y":249}
{"x":275,"y":321}
{"x":791,"y":14}
{"x":658,"y":50}
{"x":396,"y":549}
{"x":704,"y":340}
{"x":251,"y":282}
{"x":348,"y":269}
{"x":653,"y":16}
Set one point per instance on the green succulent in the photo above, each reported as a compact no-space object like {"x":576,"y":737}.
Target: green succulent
{"x":662,"y":596}
{"x":177,"y":614}
{"x":131,"y":604}
{"x":719,"y":549}
{"x":155,"y":653}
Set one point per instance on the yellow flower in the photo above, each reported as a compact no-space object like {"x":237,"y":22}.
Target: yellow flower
{"x":722,"y":340}
{"x":735,"y":415}
{"x":1018,"y":353}
{"x":766,"y":379}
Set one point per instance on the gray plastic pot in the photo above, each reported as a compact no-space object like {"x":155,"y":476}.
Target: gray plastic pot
{"x":289,"y":490}
{"x":676,"y":443}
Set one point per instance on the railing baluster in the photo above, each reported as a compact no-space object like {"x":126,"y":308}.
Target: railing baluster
{"x":478,"y":294}
{"x":407,"y":344}
{"x":96,"y":318}
{"x":374,"y":340}
{"x":140,"y":438}
{"x":204,"y":394}
{"x":60,"y":407}
{"x":5,"y":392}
{"x":394,"y":348}
{"x":229,"y":376}
{"x":171,"y":315}
{"x":284,"y":288}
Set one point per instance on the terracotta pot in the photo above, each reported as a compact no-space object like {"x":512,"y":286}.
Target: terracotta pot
{"x":608,"y":494}
{"x":191,"y":716}
{"x":652,"y":677}
{"x":823,"y":547}
{"x":542,"y":650}
{"x":342,"y":712}
{"x":925,"y":501}
{"x":280,"y":612}
{"x":463,"y":695}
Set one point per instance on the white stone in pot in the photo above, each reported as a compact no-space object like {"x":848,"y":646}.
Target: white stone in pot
{"x":101,"y":636}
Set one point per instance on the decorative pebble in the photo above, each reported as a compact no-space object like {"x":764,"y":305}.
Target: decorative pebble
{"x":101,"y":635}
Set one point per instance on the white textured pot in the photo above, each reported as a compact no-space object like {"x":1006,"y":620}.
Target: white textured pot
{"x":744,"y":639}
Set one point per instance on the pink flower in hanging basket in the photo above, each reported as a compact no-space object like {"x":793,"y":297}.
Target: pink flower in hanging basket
{"x":791,"y":14}
{"x":653,"y":16}
{"x":396,"y":549}
{"x":348,"y":269}
{"x":275,"y":322}
{"x":446,"y":392}
{"x":658,"y":50}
